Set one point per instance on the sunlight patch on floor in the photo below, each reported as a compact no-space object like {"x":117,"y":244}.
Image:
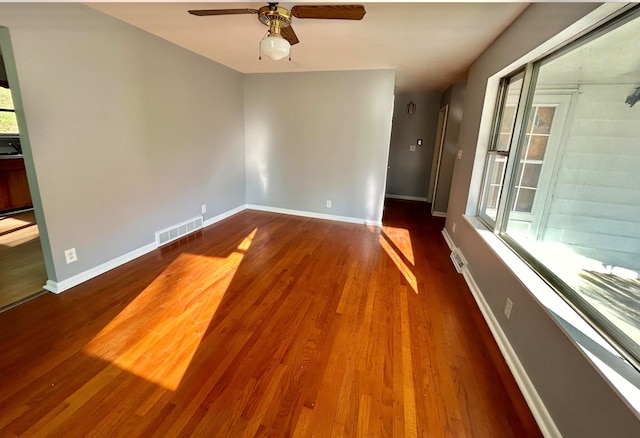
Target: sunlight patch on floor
{"x":156,"y":336}
{"x":10,"y":223}
{"x":399,"y":262}
{"x":401,"y":238}
{"x":19,"y":237}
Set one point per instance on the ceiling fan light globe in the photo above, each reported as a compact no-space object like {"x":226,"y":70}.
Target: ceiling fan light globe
{"x":275,"y":47}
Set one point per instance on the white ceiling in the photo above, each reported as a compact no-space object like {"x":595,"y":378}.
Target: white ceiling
{"x":430,"y":45}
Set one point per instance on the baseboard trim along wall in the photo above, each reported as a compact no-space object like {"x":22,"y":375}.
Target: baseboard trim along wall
{"x":439,"y":213}
{"x":61,"y":286}
{"x":531,"y":396}
{"x":314,"y":215}
{"x":224,"y":215}
{"x":407,"y":198}
{"x":447,"y":238}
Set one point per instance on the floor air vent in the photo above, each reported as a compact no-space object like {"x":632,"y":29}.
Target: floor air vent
{"x":177,"y":231}
{"x":458,"y":261}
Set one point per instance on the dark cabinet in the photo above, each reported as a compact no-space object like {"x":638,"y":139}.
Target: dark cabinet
{"x":14,"y":188}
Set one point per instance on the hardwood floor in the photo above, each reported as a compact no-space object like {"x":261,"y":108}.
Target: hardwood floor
{"x":265,"y":325}
{"x":22,"y":272}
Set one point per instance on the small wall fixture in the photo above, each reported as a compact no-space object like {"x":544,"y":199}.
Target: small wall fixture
{"x":633,"y":98}
{"x":411,"y":107}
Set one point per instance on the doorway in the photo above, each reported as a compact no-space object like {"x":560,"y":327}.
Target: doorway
{"x":22,"y":267}
{"x":437,"y":171}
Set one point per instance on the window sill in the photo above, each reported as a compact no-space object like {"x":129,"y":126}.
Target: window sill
{"x":617,"y":372}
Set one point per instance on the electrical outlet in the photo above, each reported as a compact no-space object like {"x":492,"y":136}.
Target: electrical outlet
{"x":453,"y":228}
{"x":419,"y":142}
{"x":328,"y":203}
{"x":70,"y":255}
{"x":459,"y":154}
{"x":204,"y":208}
{"x":507,"y":308}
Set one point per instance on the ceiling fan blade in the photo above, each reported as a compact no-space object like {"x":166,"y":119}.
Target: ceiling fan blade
{"x":289,"y":35}
{"x":332,"y":12}
{"x":205,"y":12}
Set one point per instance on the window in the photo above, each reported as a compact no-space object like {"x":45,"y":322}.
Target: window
{"x":503,"y":133}
{"x":8,"y":121}
{"x":562,"y":176}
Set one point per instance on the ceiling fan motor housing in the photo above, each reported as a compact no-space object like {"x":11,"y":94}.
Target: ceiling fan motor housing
{"x":275,"y":17}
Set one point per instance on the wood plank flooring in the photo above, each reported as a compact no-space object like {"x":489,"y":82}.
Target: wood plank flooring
{"x":22,"y":272}
{"x":265,"y":325}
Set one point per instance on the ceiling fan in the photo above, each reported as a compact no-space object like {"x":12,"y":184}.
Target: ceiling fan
{"x":280,"y":37}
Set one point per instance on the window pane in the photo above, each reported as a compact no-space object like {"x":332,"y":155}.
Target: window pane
{"x":8,"y":123}
{"x":530,"y":175}
{"x":496,"y":166}
{"x":537,"y":147}
{"x":508,"y":117}
{"x":542,"y":120}
{"x":575,"y":198}
{"x":524,"y":199}
{"x":6,"y":102}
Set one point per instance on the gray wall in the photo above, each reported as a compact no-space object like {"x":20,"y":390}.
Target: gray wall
{"x":409,"y":172}
{"x":311,"y":137}
{"x":580,"y":401}
{"x":127,"y":133}
{"x":454,"y":97}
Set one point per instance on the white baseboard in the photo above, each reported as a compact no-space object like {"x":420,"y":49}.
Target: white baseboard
{"x":314,"y":215}
{"x":407,"y":198}
{"x":448,"y":239}
{"x":224,"y":215}
{"x":439,"y":213}
{"x":61,"y":286}
{"x":531,"y":396}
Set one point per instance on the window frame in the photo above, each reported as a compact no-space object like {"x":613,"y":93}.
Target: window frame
{"x":501,"y":101}
{"x":626,"y":347}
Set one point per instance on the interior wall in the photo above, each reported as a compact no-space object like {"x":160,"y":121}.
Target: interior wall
{"x":127,"y":133}
{"x":578,"y":398}
{"x":409,"y":171}
{"x":313,"y":137}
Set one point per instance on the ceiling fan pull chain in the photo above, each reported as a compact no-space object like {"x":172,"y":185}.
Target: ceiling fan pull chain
{"x":260,"y":47}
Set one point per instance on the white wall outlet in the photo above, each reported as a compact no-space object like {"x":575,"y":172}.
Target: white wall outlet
{"x":453,"y":228}
{"x":328,"y":203}
{"x":459,"y":154}
{"x":203,"y":208}
{"x":419,"y":142}
{"x":412,"y":148}
{"x":507,"y":308}
{"x":70,"y":255}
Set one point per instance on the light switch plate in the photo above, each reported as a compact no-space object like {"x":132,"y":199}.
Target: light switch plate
{"x":412,"y":148}
{"x":459,"y":154}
